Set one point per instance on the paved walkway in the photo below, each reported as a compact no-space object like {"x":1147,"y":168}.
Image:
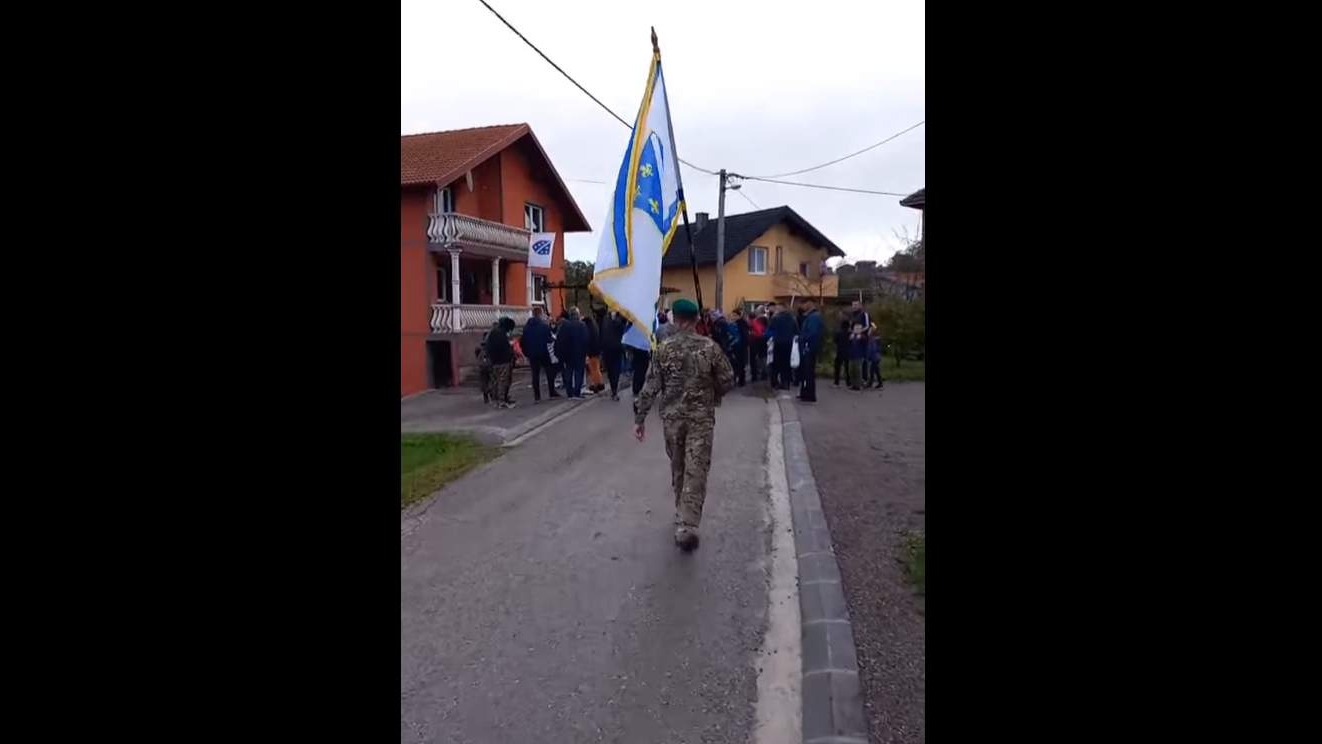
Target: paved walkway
{"x":462,"y":409}
{"x":543,"y":599}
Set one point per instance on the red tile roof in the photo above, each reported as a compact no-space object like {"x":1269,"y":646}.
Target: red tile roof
{"x":441,"y":157}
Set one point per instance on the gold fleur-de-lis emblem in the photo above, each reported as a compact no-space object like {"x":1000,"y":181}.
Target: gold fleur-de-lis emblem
{"x":646,"y":170}
{"x":656,"y":209}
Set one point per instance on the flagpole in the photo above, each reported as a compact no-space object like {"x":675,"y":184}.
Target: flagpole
{"x":679,"y":180}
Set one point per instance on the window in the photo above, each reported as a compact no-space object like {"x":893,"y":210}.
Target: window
{"x":803,"y":269}
{"x":780,"y":260}
{"x":757,"y":260}
{"x":444,"y":201}
{"x":539,"y":289}
{"x":532,"y":218}
{"x":442,"y":282}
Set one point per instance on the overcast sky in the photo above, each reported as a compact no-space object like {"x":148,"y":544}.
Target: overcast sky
{"x":756,"y":87}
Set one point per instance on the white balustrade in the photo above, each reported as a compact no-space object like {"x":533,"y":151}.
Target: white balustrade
{"x":442,"y":317}
{"x":474,"y":317}
{"x":450,"y":228}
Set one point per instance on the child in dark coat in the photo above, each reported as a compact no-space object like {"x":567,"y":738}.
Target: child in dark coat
{"x":874,"y":358}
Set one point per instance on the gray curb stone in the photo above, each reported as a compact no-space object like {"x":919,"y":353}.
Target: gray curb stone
{"x":832,"y":698}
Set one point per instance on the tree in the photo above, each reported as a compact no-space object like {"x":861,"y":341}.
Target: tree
{"x":578,"y":274}
{"x":905,"y":262}
{"x":910,"y":259}
{"x":902,"y":324}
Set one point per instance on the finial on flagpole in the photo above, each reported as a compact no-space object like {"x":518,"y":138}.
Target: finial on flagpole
{"x":655,"y":49}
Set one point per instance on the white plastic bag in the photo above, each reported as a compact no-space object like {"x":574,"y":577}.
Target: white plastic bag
{"x":794,"y":353}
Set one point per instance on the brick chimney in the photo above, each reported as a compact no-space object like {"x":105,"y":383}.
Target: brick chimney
{"x":701,"y":218}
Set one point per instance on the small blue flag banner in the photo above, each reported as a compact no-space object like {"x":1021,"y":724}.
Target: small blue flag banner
{"x":540,"y":246}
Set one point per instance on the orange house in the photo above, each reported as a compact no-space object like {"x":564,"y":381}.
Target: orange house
{"x":468,"y":201}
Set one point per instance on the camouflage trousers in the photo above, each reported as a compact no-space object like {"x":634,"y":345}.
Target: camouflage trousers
{"x":688,"y":444}
{"x":501,"y":375}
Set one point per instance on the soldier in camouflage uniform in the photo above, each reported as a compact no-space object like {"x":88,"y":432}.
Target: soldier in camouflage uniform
{"x":688,"y":374}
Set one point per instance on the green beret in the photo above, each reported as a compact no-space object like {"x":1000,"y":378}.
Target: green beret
{"x":685,"y":307}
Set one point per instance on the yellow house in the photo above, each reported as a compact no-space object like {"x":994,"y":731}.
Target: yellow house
{"x":769,"y":254}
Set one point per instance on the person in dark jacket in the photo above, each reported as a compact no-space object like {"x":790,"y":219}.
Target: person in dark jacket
{"x":858,"y":353}
{"x":484,"y":367}
{"x":718,"y":330}
{"x":810,"y":344}
{"x":663,"y":329}
{"x":783,"y":328}
{"x":594,"y":355}
{"x":859,"y":316}
{"x":536,"y":342}
{"x":571,"y":345}
{"x":501,"y":355}
{"x":739,"y":332}
{"x":640,"y":360}
{"x":612,"y":349}
{"x":841,"y":339}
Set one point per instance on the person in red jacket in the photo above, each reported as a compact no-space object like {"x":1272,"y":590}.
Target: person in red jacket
{"x":757,"y":344}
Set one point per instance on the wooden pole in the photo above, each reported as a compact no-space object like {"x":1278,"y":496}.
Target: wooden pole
{"x":688,"y":231}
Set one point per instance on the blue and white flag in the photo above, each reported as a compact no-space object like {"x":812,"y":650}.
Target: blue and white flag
{"x":539,"y":250}
{"x":641,"y":219}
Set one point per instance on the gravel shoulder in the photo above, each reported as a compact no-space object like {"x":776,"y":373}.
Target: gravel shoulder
{"x":868,"y":457}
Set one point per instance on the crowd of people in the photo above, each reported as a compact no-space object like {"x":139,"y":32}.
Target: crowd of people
{"x":580,"y":355}
{"x":576,"y":354}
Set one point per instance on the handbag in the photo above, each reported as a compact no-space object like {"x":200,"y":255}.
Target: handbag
{"x":794,"y":353}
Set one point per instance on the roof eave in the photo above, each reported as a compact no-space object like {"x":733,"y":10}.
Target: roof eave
{"x":581,"y":225}
{"x":914,"y":200}
{"x":831,"y":248}
{"x":575,"y":221}
{"x":447,"y":178}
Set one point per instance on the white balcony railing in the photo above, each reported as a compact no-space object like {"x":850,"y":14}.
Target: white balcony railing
{"x":448,"y":229}
{"x":446,"y":318}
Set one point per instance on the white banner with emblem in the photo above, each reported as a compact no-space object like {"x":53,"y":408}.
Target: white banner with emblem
{"x":540,"y":246}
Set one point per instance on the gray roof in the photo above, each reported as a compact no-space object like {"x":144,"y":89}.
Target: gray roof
{"x":740,"y":232}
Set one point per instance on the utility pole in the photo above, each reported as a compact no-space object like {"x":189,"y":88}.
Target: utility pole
{"x":720,"y":247}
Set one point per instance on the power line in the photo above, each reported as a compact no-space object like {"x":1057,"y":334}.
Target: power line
{"x":747,"y":198}
{"x":818,"y":186}
{"x":850,"y":155}
{"x":553,"y":64}
{"x":575,"y":82}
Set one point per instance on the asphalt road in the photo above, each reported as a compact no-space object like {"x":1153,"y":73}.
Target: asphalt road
{"x":543,"y":599}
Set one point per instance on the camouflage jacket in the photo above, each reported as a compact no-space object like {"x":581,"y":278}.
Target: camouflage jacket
{"x":689,"y":374}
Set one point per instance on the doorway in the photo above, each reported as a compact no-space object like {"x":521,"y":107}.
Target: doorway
{"x":439,"y":366}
